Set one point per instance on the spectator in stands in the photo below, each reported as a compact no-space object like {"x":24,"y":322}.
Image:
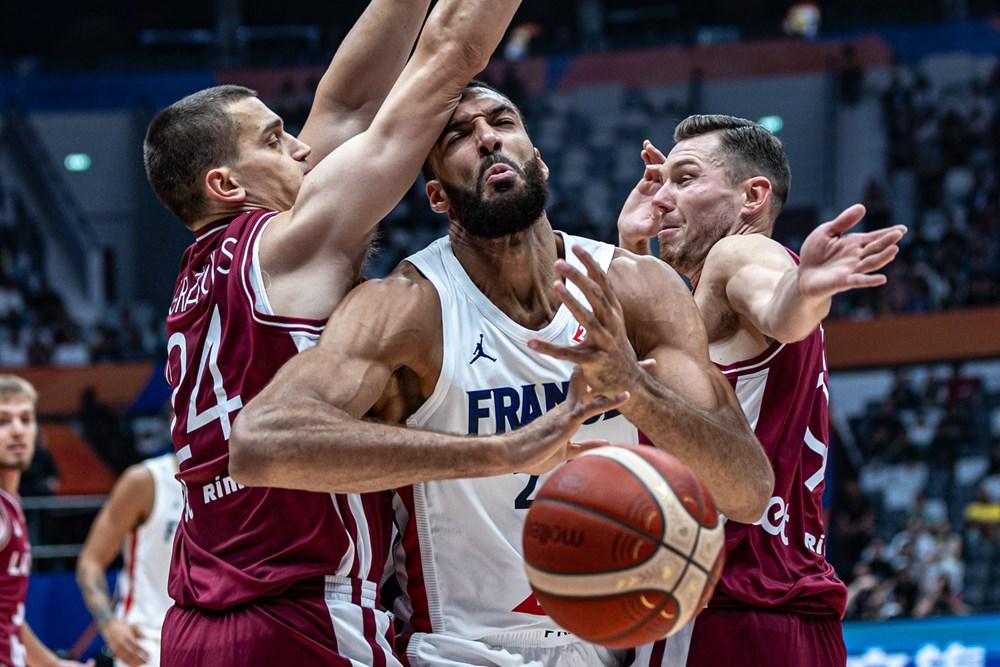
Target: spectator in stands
{"x":42,"y":476}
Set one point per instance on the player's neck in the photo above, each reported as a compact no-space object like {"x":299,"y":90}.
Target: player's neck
{"x":516,"y":271}
{"x":10,"y":478}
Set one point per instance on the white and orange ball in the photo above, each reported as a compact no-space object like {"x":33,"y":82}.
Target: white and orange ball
{"x":623,"y":546}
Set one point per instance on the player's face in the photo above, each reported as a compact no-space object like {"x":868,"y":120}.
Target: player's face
{"x":18,"y":431}
{"x":489,"y":176}
{"x":272,"y":162}
{"x":696,"y":206}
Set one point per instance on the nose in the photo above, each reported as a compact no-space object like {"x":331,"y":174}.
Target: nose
{"x":487,"y":138}
{"x":663,"y":200}
{"x":300,"y":149}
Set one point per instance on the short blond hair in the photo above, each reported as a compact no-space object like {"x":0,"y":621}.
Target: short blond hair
{"x":12,"y":386}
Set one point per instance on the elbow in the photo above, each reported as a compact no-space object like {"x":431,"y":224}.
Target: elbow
{"x":248,"y":454}
{"x":752,"y":503}
{"x":457,"y":55}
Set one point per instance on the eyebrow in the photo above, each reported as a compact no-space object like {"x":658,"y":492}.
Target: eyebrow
{"x":684,"y":162}
{"x":492,"y":112}
{"x":271,"y":127}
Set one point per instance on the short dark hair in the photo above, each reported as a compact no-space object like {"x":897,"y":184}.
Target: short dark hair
{"x":750,"y":148}
{"x":185,"y":140}
{"x":474,"y":84}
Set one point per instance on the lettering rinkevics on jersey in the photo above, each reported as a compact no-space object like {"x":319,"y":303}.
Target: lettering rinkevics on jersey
{"x":193,"y":288}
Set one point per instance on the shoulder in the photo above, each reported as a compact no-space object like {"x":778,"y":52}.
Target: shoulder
{"x":134,"y":491}
{"x":732,"y":253}
{"x":391,"y":317}
{"x":403,"y":294}
{"x":647,"y":280}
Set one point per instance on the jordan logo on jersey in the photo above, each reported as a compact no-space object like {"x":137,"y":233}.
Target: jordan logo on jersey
{"x":479,"y":353}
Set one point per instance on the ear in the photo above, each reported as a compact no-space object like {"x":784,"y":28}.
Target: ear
{"x":222,"y":185}
{"x":756,"y":196}
{"x":545,"y":167}
{"x":437,"y":197}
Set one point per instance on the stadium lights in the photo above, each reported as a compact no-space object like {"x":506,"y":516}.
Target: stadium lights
{"x":77,"y":162}
{"x":772,"y":124}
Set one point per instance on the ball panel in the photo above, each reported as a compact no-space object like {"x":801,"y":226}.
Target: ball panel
{"x":572,"y":540}
{"x":608,"y":487}
{"x":662,"y":572}
{"x":710,"y":545}
{"x":621,"y":621}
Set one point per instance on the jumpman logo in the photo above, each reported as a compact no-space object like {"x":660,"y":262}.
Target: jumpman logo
{"x":479,"y":353}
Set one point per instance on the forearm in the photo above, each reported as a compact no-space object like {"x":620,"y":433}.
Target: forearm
{"x":37,"y":653}
{"x":790,"y":315}
{"x":317,"y":447}
{"x":93,"y":585}
{"x":372,"y":55}
{"x":716,"y":444}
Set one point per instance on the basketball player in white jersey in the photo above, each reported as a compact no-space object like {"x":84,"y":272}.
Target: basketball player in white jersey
{"x":139,"y":521}
{"x":467,"y":343}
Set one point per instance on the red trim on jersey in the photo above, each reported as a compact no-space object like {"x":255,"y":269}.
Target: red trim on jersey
{"x":420,"y":621}
{"x":130,"y":597}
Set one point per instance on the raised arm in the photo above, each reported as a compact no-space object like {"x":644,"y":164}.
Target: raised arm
{"x":786,"y":301}
{"x":347,"y":193}
{"x":305,"y":430}
{"x":361,"y":73}
{"x":642,"y":310}
{"x":128,"y":506}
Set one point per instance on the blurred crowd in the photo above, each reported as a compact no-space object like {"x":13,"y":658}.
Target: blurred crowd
{"x":942,"y":167}
{"x":916,"y":527}
{"x":36,"y":327}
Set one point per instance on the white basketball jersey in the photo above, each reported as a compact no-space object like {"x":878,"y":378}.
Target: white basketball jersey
{"x":459,"y":559}
{"x":142,"y":585}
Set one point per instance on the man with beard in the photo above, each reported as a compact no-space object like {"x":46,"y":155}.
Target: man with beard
{"x":712,"y":204}
{"x":18,"y":433}
{"x":479,"y":346}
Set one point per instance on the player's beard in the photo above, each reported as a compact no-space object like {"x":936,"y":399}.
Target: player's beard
{"x":687,"y":256}
{"x":512,"y":208}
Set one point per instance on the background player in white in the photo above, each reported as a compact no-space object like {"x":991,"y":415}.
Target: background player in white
{"x":400,"y":348}
{"x":138,"y":521}
{"x":18,"y":436}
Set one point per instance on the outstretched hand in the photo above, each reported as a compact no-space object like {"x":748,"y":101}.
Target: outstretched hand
{"x":606,"y":358}
{"x":545,"y":442}
{"x":833,"y":261}
{"x":637,"y":221}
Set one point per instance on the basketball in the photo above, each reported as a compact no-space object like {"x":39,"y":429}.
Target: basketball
{"x":623,"y":546}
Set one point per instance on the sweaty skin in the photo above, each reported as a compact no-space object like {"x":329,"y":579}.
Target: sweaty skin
{"x":385,"y":340}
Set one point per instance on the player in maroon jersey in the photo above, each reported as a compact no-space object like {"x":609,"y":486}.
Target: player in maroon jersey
{"x":269,"y":576}
{"x":712,"y":204}
{"x":18,"y":433}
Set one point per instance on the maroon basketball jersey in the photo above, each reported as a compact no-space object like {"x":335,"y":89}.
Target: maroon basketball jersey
{"x":15,"y":558}
{"x":235,"y":543}
{"x":779,"y":562}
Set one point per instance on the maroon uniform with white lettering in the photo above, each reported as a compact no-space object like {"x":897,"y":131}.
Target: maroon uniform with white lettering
{"x":258,"y":575}
{"x":15,"y":557}
{"x":779,"y":601}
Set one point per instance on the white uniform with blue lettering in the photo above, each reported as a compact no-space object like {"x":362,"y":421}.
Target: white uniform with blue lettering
{"x":466,"y":598}
{"x":142,"y":584}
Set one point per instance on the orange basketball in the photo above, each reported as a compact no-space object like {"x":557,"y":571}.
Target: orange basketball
{"x":623,"y":546}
